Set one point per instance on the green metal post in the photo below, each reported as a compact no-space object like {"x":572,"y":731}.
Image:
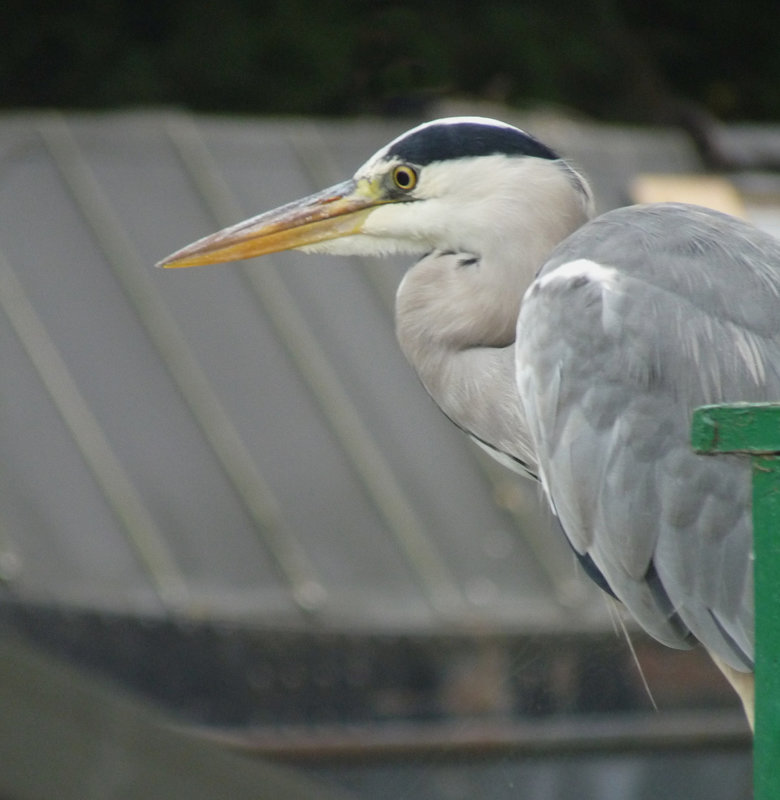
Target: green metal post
{"x":754,"y":429}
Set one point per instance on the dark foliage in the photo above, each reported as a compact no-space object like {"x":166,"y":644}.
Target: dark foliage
{"x":613,"y":59}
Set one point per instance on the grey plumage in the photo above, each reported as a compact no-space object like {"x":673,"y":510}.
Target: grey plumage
{"x":573,"y":350}
{"x":682,"y":310}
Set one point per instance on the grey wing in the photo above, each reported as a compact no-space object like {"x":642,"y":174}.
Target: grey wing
{"x":638,"y":318}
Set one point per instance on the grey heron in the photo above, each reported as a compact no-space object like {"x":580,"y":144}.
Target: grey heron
{"x":573,"y":349}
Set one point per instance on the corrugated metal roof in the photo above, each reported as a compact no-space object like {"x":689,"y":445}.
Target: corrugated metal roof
{"x":245,"y":442}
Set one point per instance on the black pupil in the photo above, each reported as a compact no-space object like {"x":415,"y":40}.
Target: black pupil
{"x":403,"y":178}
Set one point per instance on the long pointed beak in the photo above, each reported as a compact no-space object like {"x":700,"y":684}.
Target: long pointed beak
{"x":330,"y":214}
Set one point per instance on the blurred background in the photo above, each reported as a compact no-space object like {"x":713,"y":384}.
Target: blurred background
{"x":612,"y":60}
{"x":241,"y":552}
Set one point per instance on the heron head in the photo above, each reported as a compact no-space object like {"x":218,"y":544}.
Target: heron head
{"x":447,"y":184}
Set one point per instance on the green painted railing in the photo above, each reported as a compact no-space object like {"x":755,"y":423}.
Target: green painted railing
{"x":754,"y":430}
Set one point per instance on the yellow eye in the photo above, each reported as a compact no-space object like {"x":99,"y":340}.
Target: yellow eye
{"x":405,"y":178}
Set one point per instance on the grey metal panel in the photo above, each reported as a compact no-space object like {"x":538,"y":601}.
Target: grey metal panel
{"x":271,"y":454}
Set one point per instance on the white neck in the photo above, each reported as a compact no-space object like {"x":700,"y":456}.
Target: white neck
{"x":455,"y":319}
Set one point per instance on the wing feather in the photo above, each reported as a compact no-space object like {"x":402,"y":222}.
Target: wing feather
{"x":636,"y":319}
